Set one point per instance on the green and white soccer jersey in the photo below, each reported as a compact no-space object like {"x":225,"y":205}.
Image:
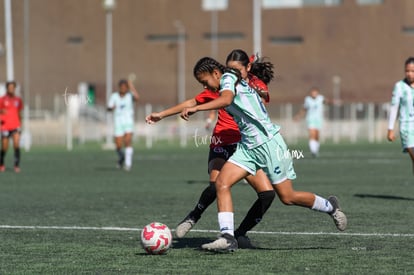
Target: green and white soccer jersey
{"x":123,"y":113}
{"x":249,"y":112}
{"x":314,"y":111}
{"x":403,"y":98}
{"x":261,"y":146}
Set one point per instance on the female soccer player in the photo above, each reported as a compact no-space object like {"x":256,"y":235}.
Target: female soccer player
{"x":122,"y":104}
{"x":10,"y":117}
{"x":313,"y":107}
{"x":403,"y":100}
{"x":227,"y":133}
{"x":261,"y":147}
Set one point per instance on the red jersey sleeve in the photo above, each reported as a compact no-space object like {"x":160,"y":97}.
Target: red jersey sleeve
{"x":206,"y":96}
{"x":259,"y":85}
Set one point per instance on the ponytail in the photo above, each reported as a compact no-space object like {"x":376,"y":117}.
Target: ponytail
{"x":261,"y":68}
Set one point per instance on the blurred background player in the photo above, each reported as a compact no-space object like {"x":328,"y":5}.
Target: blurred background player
{"x":403,"y":100}
{"x":10,"y":117}
{"x":122,"y":103}
{"x":313,"y":108}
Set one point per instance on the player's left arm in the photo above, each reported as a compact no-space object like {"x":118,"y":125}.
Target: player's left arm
{"x":331,"y":101}
{"x":19,"y":113}
{"x":225,"y":99}
{"x":134,"y":92}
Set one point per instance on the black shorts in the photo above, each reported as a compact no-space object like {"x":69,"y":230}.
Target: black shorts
{"x":222,"y":152}
{"x":9,"y":133}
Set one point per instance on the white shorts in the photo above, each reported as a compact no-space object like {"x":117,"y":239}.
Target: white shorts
{"x":407,"y":136}
{"x":123,"y":126}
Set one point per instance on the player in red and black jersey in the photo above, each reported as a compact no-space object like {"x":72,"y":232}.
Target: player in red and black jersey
{"x":223,"y":144}
{"x":10,"y":117}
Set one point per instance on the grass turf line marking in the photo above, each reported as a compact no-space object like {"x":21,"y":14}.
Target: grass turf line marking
{"x":109,"y":228}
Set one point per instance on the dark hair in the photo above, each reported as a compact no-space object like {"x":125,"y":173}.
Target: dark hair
{"x":123,"y":82}
{"x":208,"y":65}
{"x":8,"y":83}
{"x":259,"y":67}
{"x":409,"y":60}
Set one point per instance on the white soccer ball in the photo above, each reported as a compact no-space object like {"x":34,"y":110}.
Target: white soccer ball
{"x":156,"y":238}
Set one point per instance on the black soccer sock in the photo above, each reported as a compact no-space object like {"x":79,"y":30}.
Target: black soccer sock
{"x":207,"y":197}
{"x":256,"y":212}
{"x":2,"y":155}
{"x":121,"y":156}
{"x":16,"y":157}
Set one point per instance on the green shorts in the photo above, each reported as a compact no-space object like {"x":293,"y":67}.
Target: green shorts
{"x":407,"y":135}
{"x":314,"y":124}
{"x":273,"y":157}
{"x":123,"y":126}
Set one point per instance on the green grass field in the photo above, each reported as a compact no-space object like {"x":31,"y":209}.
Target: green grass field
{"x":83,"y":188}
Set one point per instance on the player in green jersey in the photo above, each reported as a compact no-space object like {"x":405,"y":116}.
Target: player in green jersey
{"x":403,"y":101}
{"x":261,"y":147}
{"x":122,"y":104}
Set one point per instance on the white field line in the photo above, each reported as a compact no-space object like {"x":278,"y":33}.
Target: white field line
{"x":110,"y":228}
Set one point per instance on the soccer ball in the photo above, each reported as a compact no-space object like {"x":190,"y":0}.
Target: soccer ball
{"x":156,"y":238}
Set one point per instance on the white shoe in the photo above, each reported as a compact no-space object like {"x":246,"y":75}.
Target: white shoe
{"x":224,"y":243}
{"x":184,"y":227}
{"x":338,"y":216}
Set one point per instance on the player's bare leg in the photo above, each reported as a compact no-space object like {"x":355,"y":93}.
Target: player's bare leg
{"x":128,"y":151}
{"x":119,"y":151}
{"x":411,"y":153}
{"x":289,"y":196}
{"x":4,"y":147}
{"x":314,"y":141}
{"x":16,"y":147}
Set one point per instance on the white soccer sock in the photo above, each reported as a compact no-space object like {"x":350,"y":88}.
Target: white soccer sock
{"x":314,"y":146}
{"x":226,"y":222}
{"x":128,"y":156}
{"x":322,"y":205}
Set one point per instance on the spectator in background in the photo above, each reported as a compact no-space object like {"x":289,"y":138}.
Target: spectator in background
{"x":10,"y":117}
{"x":122,"y":104}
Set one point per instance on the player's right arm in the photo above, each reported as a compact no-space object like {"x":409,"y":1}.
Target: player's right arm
{"x":395,"y":104}
{"x":155,"y":117}
{"x":111,"y":104}
{"x":302,"y":111}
